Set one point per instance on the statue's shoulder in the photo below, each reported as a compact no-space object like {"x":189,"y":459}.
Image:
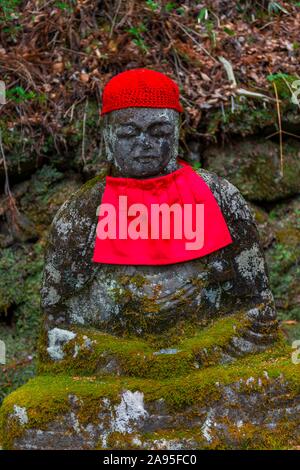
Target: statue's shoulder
{"x":228,"y":196}
{"x":69,"y":249}
{"x":79,"y":209}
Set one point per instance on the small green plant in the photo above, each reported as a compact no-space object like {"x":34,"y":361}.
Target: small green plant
{"x":19,"y":95}
{"x":170,"y":6}
{"x":64,"y":6}
{"x":229,"y":31}
{"x":202,"y":15}
{"x":136,"y":33}
{"x":283,"y":83}
{"x":8,"y":14}
{"x":152,"y":5}
{"x":8,"y":10}
{"x":204,"y":18}
{"x":275,"y":7}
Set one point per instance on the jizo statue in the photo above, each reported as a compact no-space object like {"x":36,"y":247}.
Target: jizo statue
{"x":157,"y":286}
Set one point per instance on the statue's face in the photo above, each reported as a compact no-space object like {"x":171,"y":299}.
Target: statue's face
{"x":142,"y":142}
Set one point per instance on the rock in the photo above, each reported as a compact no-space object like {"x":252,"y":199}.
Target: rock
{"x":265,"y":225}
{"x":36,"y":201}
{"x":284,"y":256}
{"x":253,"y":403}
{"x":254,"y":167}
{"x":20,"y":158}
{"x":194,"y":152}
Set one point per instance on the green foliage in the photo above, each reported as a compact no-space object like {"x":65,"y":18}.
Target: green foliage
{"x":8,"y":15}
{"x":136,"y":33}
{"x":15,"y":374}
{"x":152,"y":5}
{"x":204,"y":18}
{"x":276,"y":7}
{"x":8,"y":10}
{"x":229,"y":31}
{"x":170,"y":6}
{"x":243,"y":120}
{"x":283,"y":83}
{"x":19,"y":95}
{"x":65,"y":6}
{"x":202,"y":15}
{"x":20,"y":278}
{"x":43,"y":180}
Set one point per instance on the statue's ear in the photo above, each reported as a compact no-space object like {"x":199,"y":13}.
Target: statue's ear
{"x":108,"y":141}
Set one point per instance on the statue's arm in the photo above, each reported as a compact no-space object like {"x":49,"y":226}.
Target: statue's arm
{"x":68,"y":264}
{"x":252,"y":278}
{"x":251,"y":282}
{"x":246,"y":250}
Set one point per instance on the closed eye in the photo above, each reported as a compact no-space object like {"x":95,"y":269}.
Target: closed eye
{"x":161,"y":131}
{"x":127,"y":132}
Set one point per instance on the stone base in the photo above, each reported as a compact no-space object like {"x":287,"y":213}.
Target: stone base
{"x":252,"y":403}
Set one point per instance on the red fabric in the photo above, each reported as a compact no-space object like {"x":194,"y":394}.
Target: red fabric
{"x":183,"y":186}
{"x":140,"y":88}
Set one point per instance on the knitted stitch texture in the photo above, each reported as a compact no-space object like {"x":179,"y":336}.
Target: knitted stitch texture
{"x":140,"y":88}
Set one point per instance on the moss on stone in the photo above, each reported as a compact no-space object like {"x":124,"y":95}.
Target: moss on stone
{"x":93,"y":181}
{"x":93,"y":352}
{"x":47,"y":397}
{"x":253,"y":166}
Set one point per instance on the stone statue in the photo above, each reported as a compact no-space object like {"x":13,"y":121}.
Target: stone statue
{"x":175,"y":356}
{"x":151,"y":299}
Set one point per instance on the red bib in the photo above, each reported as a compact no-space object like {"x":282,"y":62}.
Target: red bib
{"x":163,"y":220}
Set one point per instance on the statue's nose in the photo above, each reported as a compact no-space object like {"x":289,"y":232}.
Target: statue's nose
{"x":145,"y":140}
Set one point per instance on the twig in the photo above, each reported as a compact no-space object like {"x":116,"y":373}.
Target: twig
{"x":194,"y":40}
{"x":74,"y":52}
{"x":83,"y":134}
{"x":229,"y":70}
{"x":71,"y":108}
{"x":114,"y":19}
{"x":280,"y":129}
{"x":292,"y":92}
{"x":252,"y":94}
{"x":11,"y":200}
{"x":283,"y":132}
{"x":241,"y":91}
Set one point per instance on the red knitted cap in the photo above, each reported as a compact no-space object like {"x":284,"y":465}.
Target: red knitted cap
{"x":140,"y":88}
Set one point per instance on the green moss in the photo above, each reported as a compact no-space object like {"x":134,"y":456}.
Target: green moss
{"x":245,"y":437}
{"x":248,"y":436}
{"x":283,"y":83}
{"x":47,"y":397}
{"x":244,"y":120}
{"x":91,"y":183}
{"x":107,"y":354}
{"x":20,"y":280}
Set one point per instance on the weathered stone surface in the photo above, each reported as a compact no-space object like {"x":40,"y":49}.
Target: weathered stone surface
{"x":280,"y":235}
{"x":37,"y":201}
{"x":254,"y":167}
{"x":284,"y":257}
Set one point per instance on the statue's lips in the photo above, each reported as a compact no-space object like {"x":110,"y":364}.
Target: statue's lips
{"x":145,"y":159}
